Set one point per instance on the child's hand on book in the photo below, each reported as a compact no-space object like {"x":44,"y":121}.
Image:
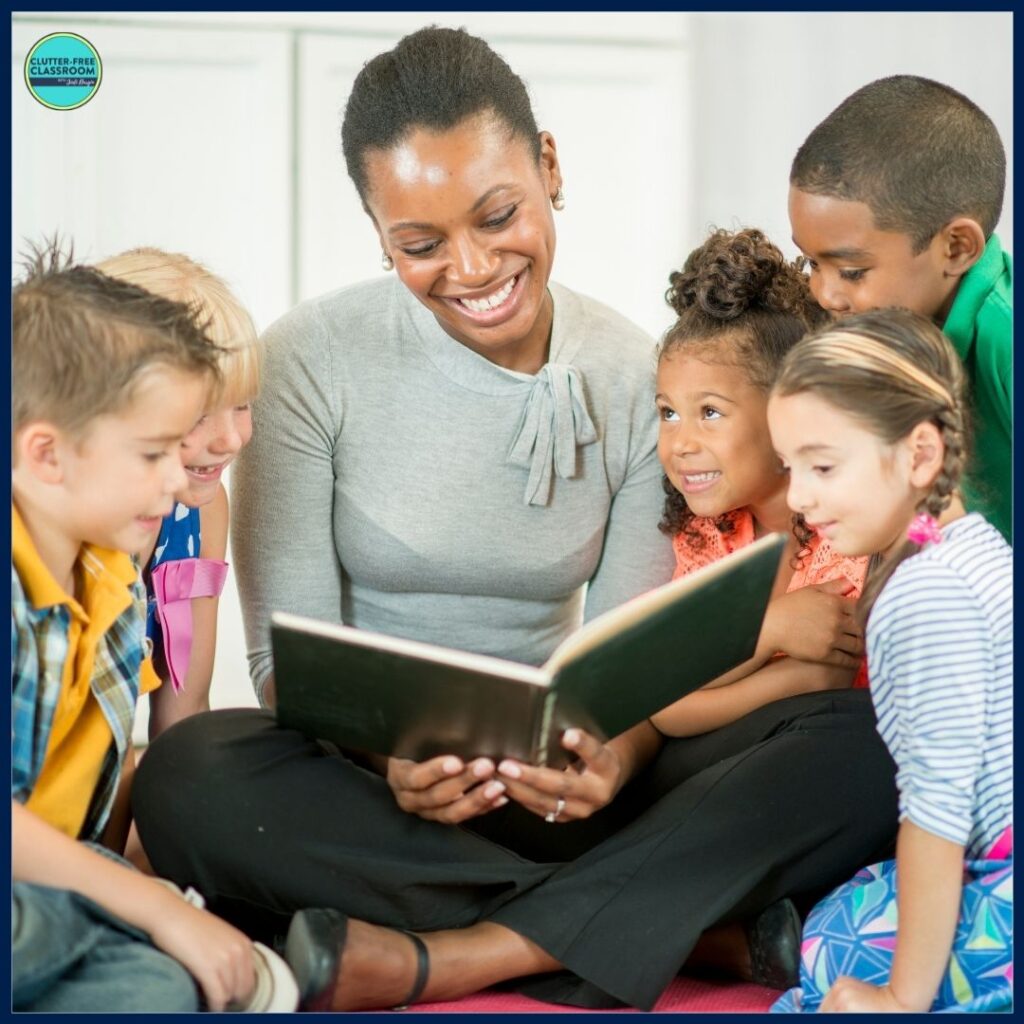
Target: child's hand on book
{"x":445,"y":789}
{"x":570,"y":794}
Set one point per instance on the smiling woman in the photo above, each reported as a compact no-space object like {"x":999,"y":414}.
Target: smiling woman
{"x":475,"y":442}
{"x":478,"y":255}
{"x":464,"y":453}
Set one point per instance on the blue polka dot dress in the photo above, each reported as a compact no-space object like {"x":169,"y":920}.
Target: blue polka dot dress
{"x":179,"y":538}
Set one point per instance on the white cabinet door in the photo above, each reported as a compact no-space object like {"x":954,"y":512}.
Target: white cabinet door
{"x":185,"y":146}
{"x":620,"y":118}
{"x":335,"y":241}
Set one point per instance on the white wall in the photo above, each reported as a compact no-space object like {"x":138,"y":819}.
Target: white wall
{"x":217,"y":135}
{"x":761,"y":82}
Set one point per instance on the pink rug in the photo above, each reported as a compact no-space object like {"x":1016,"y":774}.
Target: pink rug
{"x":684,"y":995}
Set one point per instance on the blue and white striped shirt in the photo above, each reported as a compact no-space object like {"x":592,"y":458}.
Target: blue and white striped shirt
{"x":940,"y":659}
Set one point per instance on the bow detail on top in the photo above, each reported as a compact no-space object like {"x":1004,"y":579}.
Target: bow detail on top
{"x":554,"y":423}
{"x":175,"y":583}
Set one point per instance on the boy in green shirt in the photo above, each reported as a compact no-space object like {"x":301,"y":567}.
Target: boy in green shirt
{"x":893,"y":201}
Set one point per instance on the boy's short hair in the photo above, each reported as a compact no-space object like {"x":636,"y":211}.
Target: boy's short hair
{"x":82,"y":341}
{"x":183,"y":279}
{"x":917,"y":152}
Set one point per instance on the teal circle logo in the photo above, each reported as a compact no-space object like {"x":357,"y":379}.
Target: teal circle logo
{"x":63,"y":71}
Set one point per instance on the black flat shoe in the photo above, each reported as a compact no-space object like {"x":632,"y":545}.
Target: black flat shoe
{"x":313,"y":948}
{"x":774,"y":941}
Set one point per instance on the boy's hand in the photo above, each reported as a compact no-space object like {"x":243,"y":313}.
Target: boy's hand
{"x":217,"y":955}
{"x":816,"y":623}
{"x":445,"y":789}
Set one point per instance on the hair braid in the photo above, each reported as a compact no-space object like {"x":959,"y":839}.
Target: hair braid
{"x":935,"y":502}
{"x":941,"y":494}
{"x":892,"y":369}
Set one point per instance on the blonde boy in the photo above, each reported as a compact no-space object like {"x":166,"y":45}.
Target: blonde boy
{"x":107,"y":380}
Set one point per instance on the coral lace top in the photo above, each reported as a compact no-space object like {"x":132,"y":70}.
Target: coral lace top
{"x":820,"y":565}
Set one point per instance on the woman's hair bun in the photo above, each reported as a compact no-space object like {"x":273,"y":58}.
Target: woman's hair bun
{"x":730,"y":273}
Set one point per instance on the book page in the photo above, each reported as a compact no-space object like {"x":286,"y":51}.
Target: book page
{"x":605,"y":626}
{"x":383,"y":695}
{"x":482,"y":663}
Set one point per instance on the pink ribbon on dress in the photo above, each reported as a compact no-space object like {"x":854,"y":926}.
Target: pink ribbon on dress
{"x":1002,"y":848}
{"x":175,"y":583}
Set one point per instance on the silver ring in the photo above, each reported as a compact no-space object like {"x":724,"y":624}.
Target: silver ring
{"x":552,"y":816}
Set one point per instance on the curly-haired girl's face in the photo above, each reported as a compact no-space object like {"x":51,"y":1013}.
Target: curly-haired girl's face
{"x":713,"y":439}
{"x":466,"y":216}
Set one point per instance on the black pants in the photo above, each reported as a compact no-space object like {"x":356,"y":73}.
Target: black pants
{"x":789,"y":800}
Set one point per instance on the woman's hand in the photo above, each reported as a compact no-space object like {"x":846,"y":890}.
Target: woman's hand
{"x":848,"y":995}
{"x":217,"y":955}
{"x":445,"y":789}
{"x":577,"y":791}
{"x":815,"y":623}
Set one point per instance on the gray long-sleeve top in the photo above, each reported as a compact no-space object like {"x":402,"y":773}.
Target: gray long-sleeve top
{"x":399,"y":482}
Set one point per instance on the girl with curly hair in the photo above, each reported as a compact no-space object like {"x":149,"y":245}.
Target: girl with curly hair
{"x":740,"y":308}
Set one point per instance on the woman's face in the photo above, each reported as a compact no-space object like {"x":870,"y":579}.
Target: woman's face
{"x":466,"y":216}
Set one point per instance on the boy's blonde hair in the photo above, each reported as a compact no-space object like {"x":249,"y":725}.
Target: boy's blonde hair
{"x":227,"y":323}
{"x":82,"y":341}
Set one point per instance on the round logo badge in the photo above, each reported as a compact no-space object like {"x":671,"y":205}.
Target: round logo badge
{"x":63,"y":71}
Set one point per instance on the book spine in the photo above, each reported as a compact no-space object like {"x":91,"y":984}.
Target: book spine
{"x":547,"y":715}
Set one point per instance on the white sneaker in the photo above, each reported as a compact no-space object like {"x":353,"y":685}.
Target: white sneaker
{"x":189,"y":895}
{"x":276,"y":989}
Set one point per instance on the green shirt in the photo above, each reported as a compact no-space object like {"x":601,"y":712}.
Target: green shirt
{"x":980,"y":326}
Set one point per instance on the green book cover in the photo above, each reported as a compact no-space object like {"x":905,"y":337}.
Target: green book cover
{"x":386,"y":695}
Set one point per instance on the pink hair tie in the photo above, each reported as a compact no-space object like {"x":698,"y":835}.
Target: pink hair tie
{"x":924,"y":529}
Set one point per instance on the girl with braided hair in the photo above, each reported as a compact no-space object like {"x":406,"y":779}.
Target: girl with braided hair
{"x":741,"y":307}
{"x":870,"y":417}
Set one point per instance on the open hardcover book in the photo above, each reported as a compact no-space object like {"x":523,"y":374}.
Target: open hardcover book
{"x":381,"y":694}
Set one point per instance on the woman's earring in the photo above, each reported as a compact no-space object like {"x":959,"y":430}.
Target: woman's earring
{"x":558,"y":199}
{"x":386,"y":262}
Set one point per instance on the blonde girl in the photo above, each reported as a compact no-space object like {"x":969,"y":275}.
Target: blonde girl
{"x":184,"y":568}
{"x":870,"y":417}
